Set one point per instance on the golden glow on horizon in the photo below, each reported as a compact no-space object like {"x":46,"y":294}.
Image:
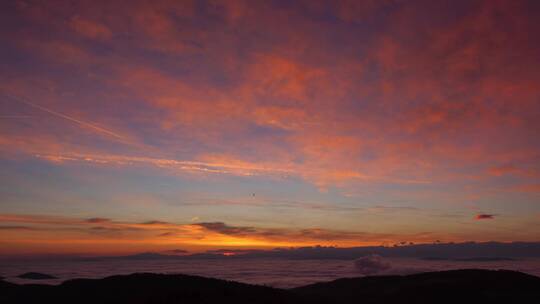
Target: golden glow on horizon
{"x":30,"y":234}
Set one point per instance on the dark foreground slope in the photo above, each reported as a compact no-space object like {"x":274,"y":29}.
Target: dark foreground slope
{"x":143,"y":288}
{"x":480,"y":286}
{"x":456,"y":286}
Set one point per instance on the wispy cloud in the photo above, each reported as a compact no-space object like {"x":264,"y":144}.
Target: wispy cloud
{"x":227,"y":166}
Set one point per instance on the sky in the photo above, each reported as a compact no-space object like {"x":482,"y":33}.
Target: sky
{"x":199,"y":125}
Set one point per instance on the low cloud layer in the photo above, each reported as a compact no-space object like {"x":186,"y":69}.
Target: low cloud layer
{"x":371,"y":264}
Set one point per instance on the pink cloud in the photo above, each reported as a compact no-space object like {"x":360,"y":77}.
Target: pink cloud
{"x":411,"y":104}
{"x":90,"y":29}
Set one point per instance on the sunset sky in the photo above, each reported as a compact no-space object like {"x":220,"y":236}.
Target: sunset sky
{"x":130,"y":126}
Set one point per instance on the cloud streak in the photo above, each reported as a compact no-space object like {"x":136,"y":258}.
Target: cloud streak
{"x":485,"y":216}
{"x":217,"y":167}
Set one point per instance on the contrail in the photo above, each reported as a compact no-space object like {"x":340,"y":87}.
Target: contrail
{"x":57,"y":114}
